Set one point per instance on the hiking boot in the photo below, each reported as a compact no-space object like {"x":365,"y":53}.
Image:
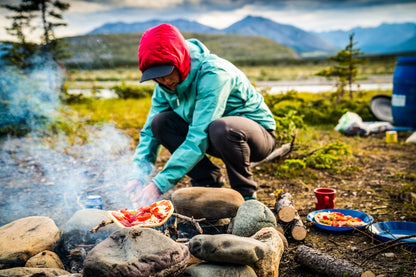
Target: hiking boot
{"x":252,"y":197}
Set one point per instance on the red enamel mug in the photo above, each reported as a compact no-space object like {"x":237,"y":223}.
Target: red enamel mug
{"x":324,"y":198}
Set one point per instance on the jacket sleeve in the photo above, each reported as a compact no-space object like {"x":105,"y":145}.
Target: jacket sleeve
{"x":213,"y":89}
{"x":147,"y":151}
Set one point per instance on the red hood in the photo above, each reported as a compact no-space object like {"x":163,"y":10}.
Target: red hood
{"x":164,"y":44}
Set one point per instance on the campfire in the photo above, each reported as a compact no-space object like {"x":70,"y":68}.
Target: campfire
{"x":211,"y":230}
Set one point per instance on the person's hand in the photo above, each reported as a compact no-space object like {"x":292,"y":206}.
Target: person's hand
{"x":150,"y":194}
{"x":133,"y":189}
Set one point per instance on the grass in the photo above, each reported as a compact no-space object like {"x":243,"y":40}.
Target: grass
{"x":124,"y":113}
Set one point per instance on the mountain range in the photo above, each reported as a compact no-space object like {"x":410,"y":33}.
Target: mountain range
{"x":386,"y":38}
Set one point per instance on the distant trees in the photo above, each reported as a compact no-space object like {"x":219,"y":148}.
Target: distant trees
{"x":19,"y":52}
{"x":50,"y":14}
{"x":345,"y":68}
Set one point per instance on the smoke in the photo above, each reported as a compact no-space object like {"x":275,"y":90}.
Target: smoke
{"x":28,"y":100}
{"x":39,"y":180}
{"x":53,"y":177}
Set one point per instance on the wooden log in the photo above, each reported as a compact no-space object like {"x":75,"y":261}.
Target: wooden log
{"x":298,"y":230}
{"x":277,"y":153}
{"x":327,"y":264}
{"x":284,"y":207}
{"x":279,"y":228}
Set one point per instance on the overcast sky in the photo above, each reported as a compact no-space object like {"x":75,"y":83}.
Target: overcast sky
{"x":310,"y":15}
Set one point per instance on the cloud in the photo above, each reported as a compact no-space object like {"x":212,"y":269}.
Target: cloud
{"x":86,"y":7}
{"x":155,"y":4}
{"x":317,"y":16}
{"x":309,"y":15}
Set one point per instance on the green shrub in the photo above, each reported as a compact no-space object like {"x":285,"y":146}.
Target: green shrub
{"x":318,"y":109}
{"x":131,"y":91}
{"x":287,"y":126}
{"x":327,"y":157}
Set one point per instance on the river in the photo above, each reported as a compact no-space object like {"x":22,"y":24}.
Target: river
{"x":312,"y":85}
{"x":316,"y":85}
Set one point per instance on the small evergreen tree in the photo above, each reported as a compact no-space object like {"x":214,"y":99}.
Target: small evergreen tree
{"x":19,"y":53}
{"x":50,"y":13}
{"x":51,"y":16}
{"x":345,"y":69}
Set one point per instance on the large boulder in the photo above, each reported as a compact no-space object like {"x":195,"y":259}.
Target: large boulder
{"x":226,"y":248}
{"x":209,"y":203}
{"x":25,"y":237}
{"x":218,"y":270}
{"x":76,"y":232}
{"x":269,"y":265}
{"x":252,"y":216}
{"x":136,"y":252}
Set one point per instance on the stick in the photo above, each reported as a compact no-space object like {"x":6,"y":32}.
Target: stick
{"x":280,"y":152}
{"x":102,"y":224}
{"x":192,"y":220}
{"x":385,"y":248}
{"x":390,"y":242}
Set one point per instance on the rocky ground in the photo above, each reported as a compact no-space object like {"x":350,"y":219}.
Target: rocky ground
{"x":39,"y":180}
{"x":374,"y":189}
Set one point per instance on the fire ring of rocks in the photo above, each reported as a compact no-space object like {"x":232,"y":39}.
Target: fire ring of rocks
{"x":237,"y":238}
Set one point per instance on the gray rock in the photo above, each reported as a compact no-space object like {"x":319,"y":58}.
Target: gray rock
{"x":252,"y":216}
{"x":226,"y":248}
{"x":25,"y":237}
{"x":45,"y":259}
{"x":209,"y":203}
{"x":269,"y":265}
{"x":136,"y":252}
{"x":218,"y":270}
{"x":76,"y":230}
{"x":33,"y":271}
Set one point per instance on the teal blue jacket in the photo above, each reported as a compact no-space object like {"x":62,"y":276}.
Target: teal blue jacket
{"x":214,"y":88}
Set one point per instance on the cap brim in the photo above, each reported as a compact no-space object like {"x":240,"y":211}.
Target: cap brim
{"x":156,"y":72}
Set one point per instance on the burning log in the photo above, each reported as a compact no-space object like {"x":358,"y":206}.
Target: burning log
{"x":327,"y":264}
{"x":284,"y":207}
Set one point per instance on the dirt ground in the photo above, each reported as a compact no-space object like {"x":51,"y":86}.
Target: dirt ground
{"x":374,"y":185}
{"x":376,"y":189}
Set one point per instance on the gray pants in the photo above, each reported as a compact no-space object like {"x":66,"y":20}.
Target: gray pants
{"x":236,"y":140}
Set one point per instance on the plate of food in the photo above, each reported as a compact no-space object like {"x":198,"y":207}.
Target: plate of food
{"x":339,"y":219}
{"x":390,"y":230}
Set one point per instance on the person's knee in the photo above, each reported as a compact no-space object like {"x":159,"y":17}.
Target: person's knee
{"x":159,"y":123}
{"x":217,"y":131}
{"x":225,"y":138}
